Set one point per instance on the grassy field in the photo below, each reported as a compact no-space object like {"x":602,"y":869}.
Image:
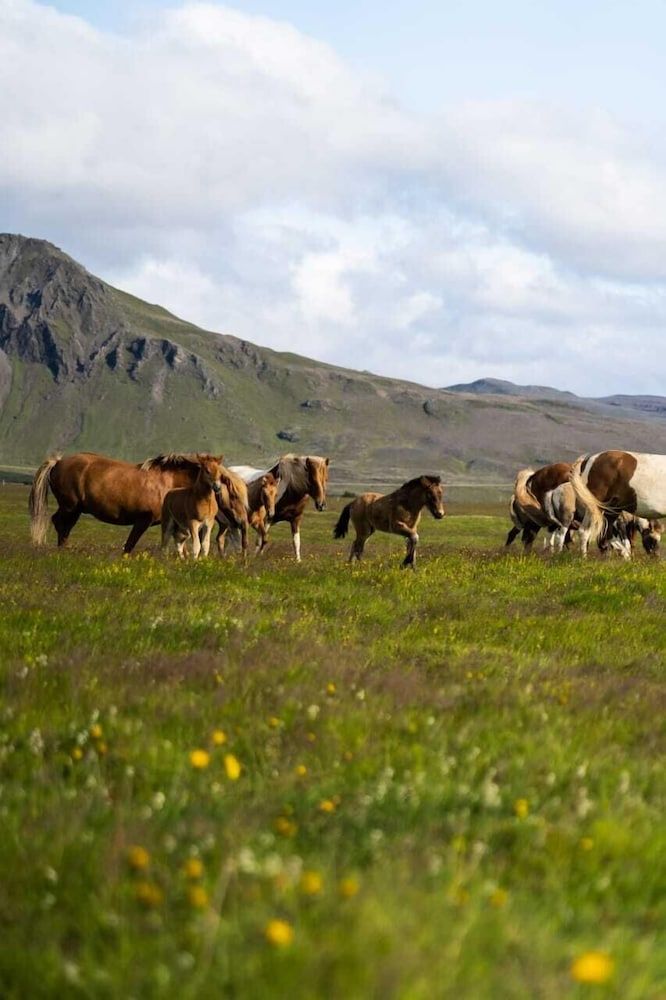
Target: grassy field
{"x":316,"y":781}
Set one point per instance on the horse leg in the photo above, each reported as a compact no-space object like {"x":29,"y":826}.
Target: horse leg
{"x":195,"y":527}
{"x":358,"y":545}
{"x":167,"y":531}
{"x":63,"y":521}
{"x":296,"y":537}
{"x":513,"y":533}
{"x":139,"y":528}
{"x":221,"y":536}
{"x":205,"y":533}
{"x":529,"y":534}
{"x":243,"y":533}
{"x":410,"y":557}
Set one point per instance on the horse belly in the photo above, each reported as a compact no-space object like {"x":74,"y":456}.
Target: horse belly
{"x":649,"y":484}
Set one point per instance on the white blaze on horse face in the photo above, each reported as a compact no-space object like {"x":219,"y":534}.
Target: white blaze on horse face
{"x":649,"y":484}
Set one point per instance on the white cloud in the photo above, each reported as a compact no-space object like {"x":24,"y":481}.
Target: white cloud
{"x":244,"y":176}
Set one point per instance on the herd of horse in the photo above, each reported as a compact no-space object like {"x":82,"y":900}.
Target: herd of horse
{"x":611,"y":498}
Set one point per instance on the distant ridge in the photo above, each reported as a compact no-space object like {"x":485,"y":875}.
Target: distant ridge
{"x":86,"y":366}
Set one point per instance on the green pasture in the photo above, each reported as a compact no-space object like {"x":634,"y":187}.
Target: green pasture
{"x":319,"y":781}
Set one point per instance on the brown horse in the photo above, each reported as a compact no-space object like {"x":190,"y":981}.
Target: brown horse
{"x":527,"y":501}
{"x":398,"y":513}
{"x":262,"y":496}
{"x":119,"y":493}
{"x":301,"y":477}
{"x":190,"y":512}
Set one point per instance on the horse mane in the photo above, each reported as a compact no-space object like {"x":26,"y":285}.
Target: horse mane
{"x":433,"y":480}
{"x":236,"y":486}
{"x":170,"y":460}
{"x":293,"y":471}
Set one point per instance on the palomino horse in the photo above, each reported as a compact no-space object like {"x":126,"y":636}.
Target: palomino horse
{"x":398,"y":513}
{"x":118,"y":493}
{"x":610,"y":482}
{"x":301,"y":477}
{"x":190,"y":511}
{"x":262,"y":494}
{"x":526,"y":507}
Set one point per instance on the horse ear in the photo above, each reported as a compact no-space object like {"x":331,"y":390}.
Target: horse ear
{"x":264,"y":480}
{"x":220,"y":459}
{"x":327,"y":460}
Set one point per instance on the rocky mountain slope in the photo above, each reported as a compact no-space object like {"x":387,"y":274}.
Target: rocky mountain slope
{"x":85,"y":366}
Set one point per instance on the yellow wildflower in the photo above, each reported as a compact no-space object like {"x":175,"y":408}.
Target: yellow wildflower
{"x":279,"y":933}
{"x":199,"y":759}
{"x":311,"y":883}
{"x":148,"y":894}
{"x":300,"y":770}
{"x":499,"y":898}
{"x":285,"y":827}
{"x":96,"y":731}
{"x":274,"y":722}
{"x":592,"y":967}
{"x":197,"y":897}
{"x":219,"y":737}
{"x":138,"y":858}
{"x":327,"y":806}
{"x":101,"y":748}
{"x":330,"y":688}
{"x":348,"y":887}
{"x":193,"y":868}
{"x":232,"y":767}
{"x":586,"y":843}
{"x":76,"y":753}
{"x":521,"y":807}
{"x":311,"y":737}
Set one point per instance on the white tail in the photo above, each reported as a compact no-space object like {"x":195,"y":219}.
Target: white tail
{"x":594,"y":520}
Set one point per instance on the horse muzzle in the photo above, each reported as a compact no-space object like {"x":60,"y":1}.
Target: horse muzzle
{"x":320,"y":504}
{"x":216,"y":487}
{"x":438,"y":514}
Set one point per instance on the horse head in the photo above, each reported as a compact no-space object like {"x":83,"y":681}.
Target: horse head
{"x":269,"y":493}
{"x":317,"y":470}
{"x":210,"y":471}
{"x":434,"y":495}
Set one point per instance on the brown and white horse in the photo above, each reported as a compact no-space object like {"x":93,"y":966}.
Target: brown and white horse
{"x":610,"y":482}
{"x":118,"y":492}
{"x":527,"y":501}
{"x":301,"y":477}
{"x":398,"y":513}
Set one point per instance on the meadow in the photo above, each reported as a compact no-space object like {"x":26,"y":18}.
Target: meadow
{"x":322,"y":781}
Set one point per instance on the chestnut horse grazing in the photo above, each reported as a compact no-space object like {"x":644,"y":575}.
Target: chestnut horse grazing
{"x":190,"y":512}
{"x":398,"y":513}
{"x":262,"y":496}
{"x":527,"y":502}
{"x":301,"y":477}
{"x":118,"y":492}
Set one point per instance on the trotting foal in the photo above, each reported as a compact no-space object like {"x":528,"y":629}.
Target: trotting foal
{"x":190,"y":512}
{"x":398,"y":513}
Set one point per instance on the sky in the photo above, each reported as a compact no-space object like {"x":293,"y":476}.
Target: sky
{"x":436,"y":191}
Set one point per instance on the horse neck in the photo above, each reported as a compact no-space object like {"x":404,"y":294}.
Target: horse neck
{"x":254,"y":491}
{"x":200,"y":488}
{"x":413,"y":498}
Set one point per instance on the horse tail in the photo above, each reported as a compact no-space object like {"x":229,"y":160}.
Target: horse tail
{"x":38,"y":501}
{"x":594,"y":509}
{"x":237,"y":488}
{"x":342,"y":527}
{"x":525,"y":498}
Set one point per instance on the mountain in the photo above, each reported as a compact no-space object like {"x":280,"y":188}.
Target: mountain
{"x":86,"y":366}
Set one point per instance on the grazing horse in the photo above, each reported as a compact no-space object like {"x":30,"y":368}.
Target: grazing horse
{"x":262,"y":494}
{"x":301,"y":477}
{"x":190,"y":511}
{"x":398,"y":513}
{"x":526,"y":507}
{"x":118,"y":492}
{"x":610,"y":482}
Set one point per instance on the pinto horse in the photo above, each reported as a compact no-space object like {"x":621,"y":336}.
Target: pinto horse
{"x":398,"y":513}
{"x":119,"y":492}
{"x":301,"y":477}
{"x":610,"y":482}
